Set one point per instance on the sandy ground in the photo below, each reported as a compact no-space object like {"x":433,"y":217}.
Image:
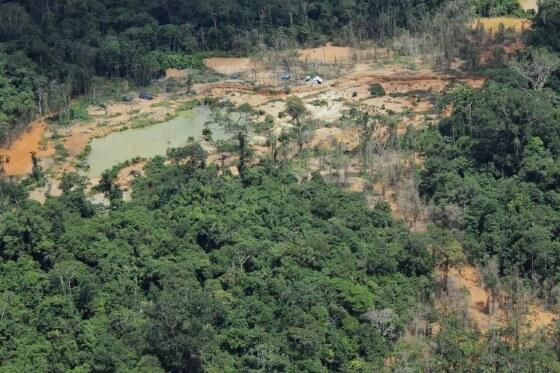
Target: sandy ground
{"x":126,"y":177}
{"x":492,"y":24}
{"x":326,"y":102}
{"x":529,"y":4}
{"x":127,"y":174}
{"x":326,"y":54}
{"x":19,"y":152}
{"x":334,"y":95}
{"x":229,"y":66}
{"x":323,"y":137}
{"x":468,"y":278}
{"x":250,"y":69}
{"x":175,"y":74}
{"x":50,"y":189}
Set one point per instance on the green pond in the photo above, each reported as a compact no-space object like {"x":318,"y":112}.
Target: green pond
{"x":149,"y":141}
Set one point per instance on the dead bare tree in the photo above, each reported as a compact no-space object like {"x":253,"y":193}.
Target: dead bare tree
{"x":410,"y":202}
{"x":58,"y":98}
{"x":337,"y":161}
{"x":4,"y":159}
{"x":536,"y":66}
{"x":516,"y":306}
{"x":444,"y":34}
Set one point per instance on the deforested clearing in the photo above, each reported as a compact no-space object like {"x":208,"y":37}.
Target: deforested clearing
{"x":19,"y":152}
{"x":231,"y":65}
{"x":493,"y":24}
{"x":279,"y":186}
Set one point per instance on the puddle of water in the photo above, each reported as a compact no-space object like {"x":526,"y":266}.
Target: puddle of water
{"x":149,"y":141}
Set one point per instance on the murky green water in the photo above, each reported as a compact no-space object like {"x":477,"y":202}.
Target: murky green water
{"x":147,"y":142}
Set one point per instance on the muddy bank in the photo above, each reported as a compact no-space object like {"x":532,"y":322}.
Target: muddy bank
{"x":149,"y":141}
{"x":19,"y":152}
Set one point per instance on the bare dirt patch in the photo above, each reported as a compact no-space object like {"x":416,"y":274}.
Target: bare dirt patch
{"x":19,"y":152}
{"x":327,"y":54}
{"x":175,"y":73}
{"x":325,"y":136}
{"x":492,"y":24}
{"x":127,"y":175}
{"x":227,"y":66}
{"x":326,"y":102}
{"x":529,"y":4}
{"x":51,"y":188}
{"x":539,"y":318}
{"x":468,"y":278}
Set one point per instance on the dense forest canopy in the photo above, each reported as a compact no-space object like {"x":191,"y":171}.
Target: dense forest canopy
{"x":73,"y":39}
{"x":50,"y":50}
{"x":60,"y":46}
{"x":206,"y":273}
{"x":492,"y":166}
{"x":497,"y":157}
{"x":271,"y":270}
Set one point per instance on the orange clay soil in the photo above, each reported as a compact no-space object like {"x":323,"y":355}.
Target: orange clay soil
{"x":337,"y":92}
{"x":19,"y":152}
{"x":509,"y":50}
{"x":228,"y":65}
{"x":468,"y":278}
{"x":326,"y":54}
{"x":175,"y":73}
{"x":127,"y":175}
{"x":492,"y":24}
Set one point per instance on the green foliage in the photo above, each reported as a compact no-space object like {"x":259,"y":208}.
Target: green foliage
{"x":61,"y":152}
{"x":493,"y":125}
{"x":36,"y":171}
{"x":492,"y":169}
{"x":546,"y":32}
{"x":546,"y":26}
{"x":295,"y":108}
{"x":189,"y":105}
{"x":84,"y":153}
{"x":201,"y":272}
{"x":193,"y":155}
{"x":496,"y":8}
{"x":17,"y":99}
{"x":457,"y":348}
{"x":180,"y":61}
{"x":376,"y":90}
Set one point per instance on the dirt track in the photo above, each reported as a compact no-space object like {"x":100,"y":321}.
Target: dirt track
{"x":529,"y":4}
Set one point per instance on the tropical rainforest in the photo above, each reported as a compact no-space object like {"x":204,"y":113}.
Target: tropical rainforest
{"x":52,"y":50}
{"x":205,"y":270}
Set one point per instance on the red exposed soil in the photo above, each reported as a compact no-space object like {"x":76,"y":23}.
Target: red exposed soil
{"x":19,"y":152}
{"x":477,"y":296}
